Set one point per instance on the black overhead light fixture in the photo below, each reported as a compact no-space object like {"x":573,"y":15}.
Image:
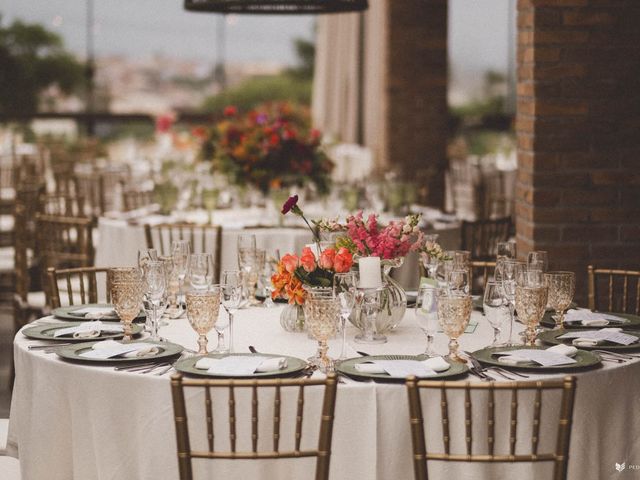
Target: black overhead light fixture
{"x":285,"y":7}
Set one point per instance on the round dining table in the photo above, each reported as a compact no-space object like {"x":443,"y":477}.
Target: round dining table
{"x":73,"y":420}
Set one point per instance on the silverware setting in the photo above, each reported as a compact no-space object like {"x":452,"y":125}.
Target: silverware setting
{"x":48,"y":346}
{"x":483,"y":372}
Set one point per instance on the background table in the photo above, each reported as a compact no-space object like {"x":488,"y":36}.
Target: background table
{"x":75,"y":421}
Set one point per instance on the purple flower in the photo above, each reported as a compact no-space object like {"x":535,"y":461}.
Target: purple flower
{"x":290,"y":204}
{"x":261,"y":119}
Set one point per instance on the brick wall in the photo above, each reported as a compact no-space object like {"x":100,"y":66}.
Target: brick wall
{"x":416,"y":88}
{"x":578,"y":128}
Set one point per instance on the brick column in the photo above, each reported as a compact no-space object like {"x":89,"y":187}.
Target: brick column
{"x":416,"y":93}
{"x":578,"y":127}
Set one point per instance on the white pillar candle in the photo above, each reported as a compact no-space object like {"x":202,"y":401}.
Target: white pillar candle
{"x":370,"y":276}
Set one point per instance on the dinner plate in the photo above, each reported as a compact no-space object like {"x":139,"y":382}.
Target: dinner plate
{"x":550,"y":337}
{"x":72,"y":352}
{"x":348,"y":367}
{"x":583,"y":358}
{"x":633,"y":322}
{"x":45,"y":332}
{"x":294,"y":366}
{"x":67,"y":313}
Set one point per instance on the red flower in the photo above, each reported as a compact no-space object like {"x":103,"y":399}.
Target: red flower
{"x":290,"y":262}
{"x":230,"y":111}
{"x":308,"y":260}
{"x":343,"y":261}
{"x":274,"y":140}
{"x":289,"y":205}
{"x":326,"y":258}
{"x":164,"y":122}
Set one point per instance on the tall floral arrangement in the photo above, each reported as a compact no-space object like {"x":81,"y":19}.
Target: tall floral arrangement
{"x":269,"y":147}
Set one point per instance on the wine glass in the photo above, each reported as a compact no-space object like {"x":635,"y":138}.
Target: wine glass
{"x":507,"y":270}
{"x":495,"y":309}
{"x":231,"y":296}
{"x":344,"y":289}
{"x":321,"y":317}
{"x":252,"y":264}
{"x":531,"y":300}
{"x":458,"y":280}
{"x":246,"y":241}
{"x":454,"y":312}
{"x":127,"y":300}
{"x":538,"y":260}
{"x":427,"y":315}
{"x":562,"y":287}
{"x":461,"y":258}
{"x":180,"y":250}
{"x":155,"y":294}
{"x":199,"y":273}
{"x":121,"y":274}
{"x":202,"y":312}
{"x":370,"y":300}
{"x":146,"y":255}
{"x":445,"y":267}
{"x":506,"y":250}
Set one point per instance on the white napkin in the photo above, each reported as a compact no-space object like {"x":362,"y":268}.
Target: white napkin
{"x":587,"y":318}
{"x":263,"y":364}
{"x":369,"y":368}
{"x":586,"y":342}
{"x":512,"y":359}
{"x":88,"y":330}
{"x":95,"y":313}
{"x":111,"y":349}
{"x":565,"y":350}
{"x":437,"y":364}
{"x":429,"y":366}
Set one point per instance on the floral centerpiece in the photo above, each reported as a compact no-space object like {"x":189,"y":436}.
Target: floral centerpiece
{"x":270,"y":147}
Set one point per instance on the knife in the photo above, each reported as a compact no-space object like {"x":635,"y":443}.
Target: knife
{"x":364,"y":354}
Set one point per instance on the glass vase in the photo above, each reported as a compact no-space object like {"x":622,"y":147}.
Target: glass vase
{"x":292,"y":318}
{"x":393,"y":301}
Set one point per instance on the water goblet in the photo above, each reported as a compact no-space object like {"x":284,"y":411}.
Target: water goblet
{"x":369,"y":300}
{"x":321,"y":317}
{"x":344,"y":289}
{"x":202,"y":312}
{"x":495,"y":309}
{"x":531,"y":300}
{"x":454,"y":312}
{"x":562,"y":287}
{"x":506,"y":250}
{"x":127,"y":300}
{"x":458,"y":280}
{"x":200,"y":270}
{"x":146,"y":255}
{"x":231,"y":296}
{"x":427,"y":315}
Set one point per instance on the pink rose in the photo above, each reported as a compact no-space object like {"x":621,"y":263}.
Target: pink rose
{"x":290,"y":262}
{"x":342,"y":261}
{"x":326,"y":258}
{"x":308,"y":260}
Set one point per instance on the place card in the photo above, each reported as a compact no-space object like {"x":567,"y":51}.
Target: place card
{"x":86,"y":327}
{"x":613,"y":335}
{"x":235,"y":365}
{"x":544,"y":358}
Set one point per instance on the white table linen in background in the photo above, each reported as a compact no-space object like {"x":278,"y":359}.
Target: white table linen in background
{"x":72,"y":421}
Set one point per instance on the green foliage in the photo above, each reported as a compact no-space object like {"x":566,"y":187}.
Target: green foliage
{"x":32,"y":59}
{"x":306,"y":51}
{"x":257,"y":90}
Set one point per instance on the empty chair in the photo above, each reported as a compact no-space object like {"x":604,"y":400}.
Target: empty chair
{"x":481,"y":271}
{"x":77,"y":286}
{"x":62,"y":204}
{"x":442,"y":418}
{"x":614,"y":290}
{"x":134,"y":199}
{"x":214,"y":433}
{"x":481,"y":237}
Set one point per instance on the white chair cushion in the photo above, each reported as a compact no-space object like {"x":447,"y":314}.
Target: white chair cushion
{"x":9,"y":468}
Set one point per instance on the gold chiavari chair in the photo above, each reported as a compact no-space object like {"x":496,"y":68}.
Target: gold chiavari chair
{"x":186,"y":454}
{"x":203,"y":238}
{"x":559,"y":456}
{"x":99,"y":187}
{"x":480,"y":237}
{"x":134,"y":199}
{"x":77,"y":286}
{"x":62,"y":204}
{"x":613,"y":290}
{"x":480,"y":273}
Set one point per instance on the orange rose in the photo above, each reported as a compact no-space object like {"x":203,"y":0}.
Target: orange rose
{"x":326,"y":258}
{"x":308,"y":260}
{"x":290,"y":262}
{"x":343,"y":261}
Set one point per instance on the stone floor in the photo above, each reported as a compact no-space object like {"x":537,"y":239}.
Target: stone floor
{"x":6,"y":342}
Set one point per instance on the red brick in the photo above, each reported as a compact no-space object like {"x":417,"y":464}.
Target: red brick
{"x":559,"y":36}
{"x":592,"y":233}
{"x":587,"y":18}
{"x":559,"y":3}
{"x":590,"y":197}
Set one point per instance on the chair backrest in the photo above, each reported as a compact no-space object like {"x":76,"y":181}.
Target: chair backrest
{"x":614,"y":290}
{"x":203,"y":239}
{"x":62,"y":204}
{"x":480,"y":273}
{"x":134,"y":199}
{"x":559,"y":456}
{"x":481,"y":237}
{"x":65,"y":241}
{"x":186,"y":454}
{"x":77,"y":286}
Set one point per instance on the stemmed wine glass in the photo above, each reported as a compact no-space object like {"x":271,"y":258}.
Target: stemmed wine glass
{"x":231,"y":296}
{"x":506,"y":271}
{"x":126,"y":295}
{"x":202,"y":311}
{"x":180,"y":250}
{"x":344,"y":289}
{"x":146,"y":255}
{"x":246,"y":257}
{"x":531,"y":300}
{"x":155,"y":294}
{"x":427,"y":315}
{"x":539,"y":260}
{"x":199,"y":273}
{"x":321,"y":317}
{"x":454,"y":312}
{"x":562,"y":287}
{"x":458,"y":280}
{"x":495,"y":309}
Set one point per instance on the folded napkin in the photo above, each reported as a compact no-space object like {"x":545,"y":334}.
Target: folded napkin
{"x":586,"y":342}
{"x":437,"y":364}
{"x":434,"y":364}
{"x":87,"y":334}
{"x":587,"y":318}
{"x":87,"y":330}
{"x":111,"y":349}
{"x":95,"y":313}
{"x":228,"y":365}
{"x":512,"y":359}
{"x":565,"y":350}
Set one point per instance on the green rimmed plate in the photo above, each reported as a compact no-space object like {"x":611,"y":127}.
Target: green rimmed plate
{"x":294,"y":366}
{"x":550,"y":337}
{"x":67,"y":313}
{"x":633,"y":322}
{"x":45,"y":332}
{"x":583,"y":358}
{"x":348,"y":368}
{"x":72,"y":352}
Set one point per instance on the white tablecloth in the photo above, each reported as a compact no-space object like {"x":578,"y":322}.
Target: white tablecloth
{"x":71,"y":421}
